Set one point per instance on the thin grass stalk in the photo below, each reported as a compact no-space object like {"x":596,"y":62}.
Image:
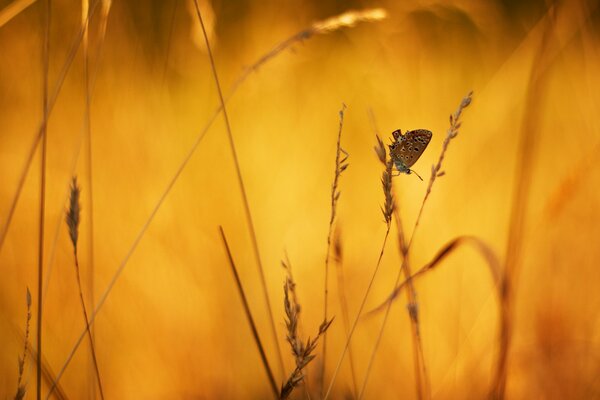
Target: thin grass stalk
{"x":255,"y":335}
{"x":387,"y":210}
{"x":49,"y":105}
{"x":340,"y":167}
{"x":339,"y":263}
{"x":93,"y":371}
{"x":240,"y":181}
{"x":422,"y":383}
{"x":21,"y":390}
{"x":366,"y":16}
{"x":44,"y":131}
{"x":72,"y":220}
{"x":436,"y":171}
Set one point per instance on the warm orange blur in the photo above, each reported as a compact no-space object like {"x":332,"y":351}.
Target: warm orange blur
{"x":173,"y":326}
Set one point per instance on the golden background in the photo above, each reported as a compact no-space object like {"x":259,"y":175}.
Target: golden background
{"x":173,"y":325}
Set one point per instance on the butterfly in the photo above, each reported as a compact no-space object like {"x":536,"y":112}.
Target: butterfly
{"x":406,"y":149}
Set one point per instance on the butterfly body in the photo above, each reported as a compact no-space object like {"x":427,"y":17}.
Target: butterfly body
{"x":406,"y":149}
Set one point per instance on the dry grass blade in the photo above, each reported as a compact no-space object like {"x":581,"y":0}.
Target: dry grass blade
{"x":257,"y":340}
{"x":72,"y":220}
{"x":421,"y":376}
{"x":20,"y":395}
{"x":85,"y":5}
{"x":387,"y":210}
{"x":42,"y":220}
{"x":340,"y":166}
{"x":482,"y":248}
{"x":303,"y":352}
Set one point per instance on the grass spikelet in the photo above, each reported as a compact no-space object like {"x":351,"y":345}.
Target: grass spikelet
{"x":251,"y":322}
{"x":20,"y":395}
{"x":302,"y":352}
{"x":73,"y":213}
{"x":349,"y":19}
{"x":72,"y":219}
{"x":341,"y":157}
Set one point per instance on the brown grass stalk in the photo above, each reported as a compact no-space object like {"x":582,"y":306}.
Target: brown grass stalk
{"x":72,"y":220}
{"x":341,"y":282}
{"x":359,"y":16}
{"x":340,"y":167}
{"x":302,"y":351}
{"x":423,"y":389}
{"x":21,"y":390}
{"x":85,"y":5}
{"x":255,"y":335}
{"x":44,"y":135}
{"x":387,"y":210}
{"x":49,"y":106}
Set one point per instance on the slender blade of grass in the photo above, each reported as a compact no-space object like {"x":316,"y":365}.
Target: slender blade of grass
{"x":248,"y":313}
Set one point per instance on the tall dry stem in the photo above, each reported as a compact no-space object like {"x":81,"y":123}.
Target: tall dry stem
{"x":44,"y":136}
{"x":257,"y":341}
{"x":72,"y":220}
{"x":341,"y":156}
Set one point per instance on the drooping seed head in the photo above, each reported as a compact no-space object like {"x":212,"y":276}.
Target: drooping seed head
{"x":73,"y":212}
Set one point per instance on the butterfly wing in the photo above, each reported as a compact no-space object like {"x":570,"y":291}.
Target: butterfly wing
{"x":410,"y":146}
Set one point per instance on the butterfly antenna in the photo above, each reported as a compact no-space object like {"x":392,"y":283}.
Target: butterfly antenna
{"x":415,"y":172}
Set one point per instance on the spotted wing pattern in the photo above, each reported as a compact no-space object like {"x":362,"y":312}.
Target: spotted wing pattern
{"x":407,"y":148}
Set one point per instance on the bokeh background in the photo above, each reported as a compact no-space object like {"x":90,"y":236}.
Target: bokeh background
{"x":173,"y":326}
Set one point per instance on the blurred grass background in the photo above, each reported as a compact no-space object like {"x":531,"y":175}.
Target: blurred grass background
{"x":173,"y":327}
